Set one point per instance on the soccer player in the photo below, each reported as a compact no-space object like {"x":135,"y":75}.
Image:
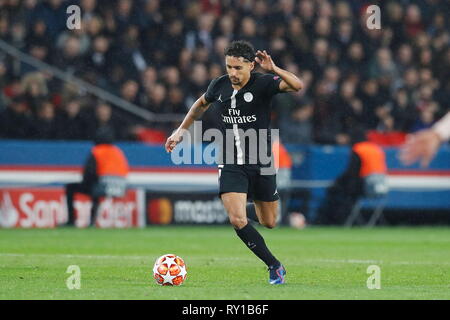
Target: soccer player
{"x":242,"y":100}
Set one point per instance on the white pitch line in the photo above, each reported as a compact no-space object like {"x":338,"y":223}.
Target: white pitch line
{"x":137,"y":257}
{"x":86,"y":256}
{"x":357,"y":261}
{"x":61,"y":255}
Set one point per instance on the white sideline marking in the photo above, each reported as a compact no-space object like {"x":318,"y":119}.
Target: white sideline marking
{"x":357,"y":261}
{"x":137,"y":257}
{"x":86,"y":256}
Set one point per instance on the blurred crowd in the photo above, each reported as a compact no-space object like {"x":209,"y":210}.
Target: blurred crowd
{"x":162,"y":54}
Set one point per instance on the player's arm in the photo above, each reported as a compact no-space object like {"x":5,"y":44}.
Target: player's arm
{"x":289,"y":81}
{"x":195,"y":112}
{"x":424,"y":144}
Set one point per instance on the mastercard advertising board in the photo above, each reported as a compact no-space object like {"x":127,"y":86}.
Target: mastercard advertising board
{"x":185,"y":208}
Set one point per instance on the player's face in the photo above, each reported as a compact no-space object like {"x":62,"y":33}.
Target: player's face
{"x":238,"y":69}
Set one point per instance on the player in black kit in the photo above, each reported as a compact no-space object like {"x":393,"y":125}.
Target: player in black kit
{"x":243,"y":98}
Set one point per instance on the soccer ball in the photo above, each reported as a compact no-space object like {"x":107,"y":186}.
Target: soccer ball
{"x":169,"y":270}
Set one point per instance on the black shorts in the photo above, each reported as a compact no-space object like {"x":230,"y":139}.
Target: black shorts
{"x":247,"y":179}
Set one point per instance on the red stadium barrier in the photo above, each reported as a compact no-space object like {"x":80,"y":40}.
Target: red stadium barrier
{"x":390,"y":139}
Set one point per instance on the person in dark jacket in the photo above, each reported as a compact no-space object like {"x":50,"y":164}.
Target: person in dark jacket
{"x":365,"y":176}
{"x":104,"y":174}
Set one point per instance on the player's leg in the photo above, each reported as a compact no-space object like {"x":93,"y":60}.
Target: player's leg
{"x":235,"y":205}
{"x":266,"y":207}
{"x":233,"y":187}
{"x":267,"y":212}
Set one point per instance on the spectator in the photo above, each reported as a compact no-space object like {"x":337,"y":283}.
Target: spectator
{"x":411,"y":83}
{"x":344,"y":36}
{"x":99,"y":59}
{"x":44,"y":124}
{"x":175,"y":103}
{"x":382,"y":66}
{"x":93,"y":26}
{"x":149,"y":77}
{"x":15,"y":120}
{"x":370,"y":98}
{"x":297,"y":39}
{"x":317,"y":60}
{"x":220,"y":44}
{"x":129,"y":91}
{"x":403,"y":112}
{"x":70,"y":58}
{"x":129,"y":54}
{"x":226,"y":27}
{"x":156,"y":98}
{"x":70,"y":123}
{"x":198,"y":80}
{"x":4,"y":27}
{"x":355,"y":59}
{"x":104,"y":117}
{"x":351,"y":110}
{"x":150,"y":18}
{"x":38,"y":51}
{"x":248,"y":33}
{"x":413,"y":21}
{"x":88,"y":9}
{"x":298,"y":128}
{"x":172,"y":42}
{"x":404,"y":59}
{"x":53,"y":13}
{"x":84,"y":40}
{"x":34,"y":89}
{"x":124,"y":15}
{"x":203,"y":35}
{"x":38,"y":34}
{"x":150,"y":41}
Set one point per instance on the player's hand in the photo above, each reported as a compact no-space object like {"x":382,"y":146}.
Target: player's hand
{"x":264,"y":60}
{"x":421,"y":146}
{"x":173,"y":140}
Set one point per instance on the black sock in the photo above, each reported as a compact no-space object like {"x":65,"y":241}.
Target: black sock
{"x":255,"y":242}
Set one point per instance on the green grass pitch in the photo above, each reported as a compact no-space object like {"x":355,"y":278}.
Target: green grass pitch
{"x":321,"y":263}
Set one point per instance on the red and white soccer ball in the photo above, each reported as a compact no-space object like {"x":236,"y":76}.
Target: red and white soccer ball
{"x":169,"y":270}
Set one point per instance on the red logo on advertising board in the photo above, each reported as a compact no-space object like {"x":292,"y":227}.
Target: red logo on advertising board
{"x":46,"y":208}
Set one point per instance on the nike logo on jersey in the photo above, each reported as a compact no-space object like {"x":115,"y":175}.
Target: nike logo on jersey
{"x":220,"y":98}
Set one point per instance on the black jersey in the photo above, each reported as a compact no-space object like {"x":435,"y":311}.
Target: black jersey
{"x":244,"y":114}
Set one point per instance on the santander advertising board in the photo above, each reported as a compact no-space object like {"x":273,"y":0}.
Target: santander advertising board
{"x":47,"y":208}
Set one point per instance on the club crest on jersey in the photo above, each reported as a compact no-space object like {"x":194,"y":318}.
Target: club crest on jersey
{"x":248,"y":97}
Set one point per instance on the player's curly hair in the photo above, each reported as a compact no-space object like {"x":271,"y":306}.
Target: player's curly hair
{"x":241,"y":48}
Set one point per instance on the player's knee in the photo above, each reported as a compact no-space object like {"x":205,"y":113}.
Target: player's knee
{"x":238,"y":222}
{"x":270,"y":224}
